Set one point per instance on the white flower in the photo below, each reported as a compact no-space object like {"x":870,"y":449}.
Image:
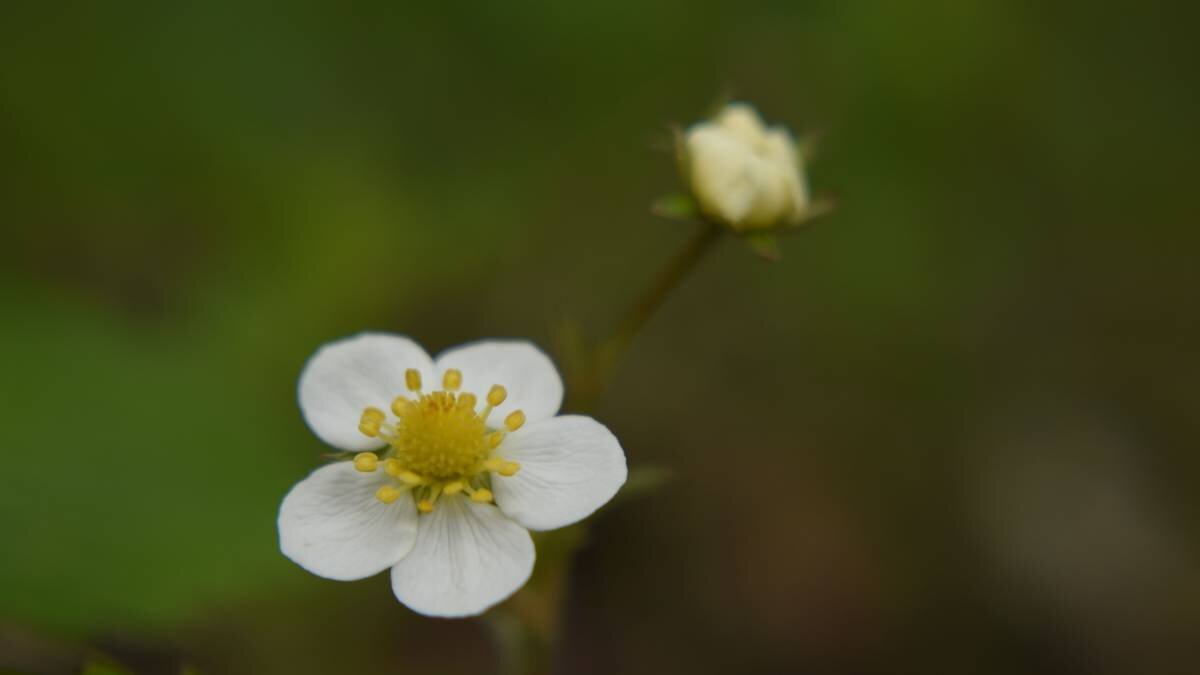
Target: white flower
{"x":742,"y":173}
{"x":446,"y":482}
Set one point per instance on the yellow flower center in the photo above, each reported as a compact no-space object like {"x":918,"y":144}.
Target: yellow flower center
{"x":438,"y":443}
{"x":440,"y":438}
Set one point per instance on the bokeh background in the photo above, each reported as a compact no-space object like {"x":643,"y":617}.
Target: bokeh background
{"x":954,"y":430}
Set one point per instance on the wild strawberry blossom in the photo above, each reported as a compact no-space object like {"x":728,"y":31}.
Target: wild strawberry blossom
{"x":457,"y":458}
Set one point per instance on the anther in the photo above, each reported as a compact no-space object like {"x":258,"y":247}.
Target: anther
{"x":410,"y":478}
{"x":482,"y":496}
{"x":452,"y":380}
{"x":392,"y":467}
{"x":387,"y":494}
{"x":369,"y":423}
{"x":502,"y":466}
{"x":493,"y":439}
{"x":453,"y":487}
{"x":496,"y":395}
{"x":514,"y":420}
{"x":399,"y":405}
{"x":466,"y":400}
{"x":366,"y":462}
{"x":426,"y":505}
{"x":412,"y":379}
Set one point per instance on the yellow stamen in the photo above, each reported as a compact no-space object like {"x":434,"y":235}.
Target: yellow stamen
{"x":410,"y":478}
{"x":399,"y":405}
{"x":514,"y":420}
{"x":392,"y":467}
{"x":366,"y":462}
{"x":426,"y":505}
{"x":387,"y":494}
{"x":482,"y":496}
{"x":369,"y":423}
{"x":439,"y":442}
{"x":412,"y":379}
{"x":502,"y":466}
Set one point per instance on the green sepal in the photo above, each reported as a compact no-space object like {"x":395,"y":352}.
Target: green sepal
{"x":683,"y":159}
{"x":764,"y":246}
{"x":677,"y":206}
{"x":817,"y":209}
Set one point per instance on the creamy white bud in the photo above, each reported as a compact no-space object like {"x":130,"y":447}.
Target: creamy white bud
{"x":742,"y":173}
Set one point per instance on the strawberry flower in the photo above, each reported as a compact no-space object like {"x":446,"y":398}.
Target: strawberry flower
{"x":448,"y":479}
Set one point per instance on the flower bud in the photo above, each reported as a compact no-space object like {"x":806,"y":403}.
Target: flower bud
{"x":742,"y":173}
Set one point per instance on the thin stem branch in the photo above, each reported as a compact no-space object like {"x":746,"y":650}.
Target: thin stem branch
{"x":527,"y":628}
{"x":609,"y":353}
{"x":670,"y":276}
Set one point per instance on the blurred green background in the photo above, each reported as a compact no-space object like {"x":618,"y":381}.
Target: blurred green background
{"x":953,"y":430}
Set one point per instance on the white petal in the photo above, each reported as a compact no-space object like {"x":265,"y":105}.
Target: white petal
{"x":742,"y":120}
{"x":718,"y":173}
{"x":773,"y":199}
{"x":570,"y":466}
{"x":468,"y":557}
{"x":347,"y":375}
{"x":529,"y":376}
{"x":781,"y":151}
{"x":332,"y":525}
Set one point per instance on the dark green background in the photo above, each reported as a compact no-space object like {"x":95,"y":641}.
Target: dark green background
{"x":953,"y":431}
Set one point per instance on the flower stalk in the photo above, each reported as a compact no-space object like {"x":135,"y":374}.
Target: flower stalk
{"x":607,"y":356}
{"x":744,"y":179}
{"x":527,"y":627}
